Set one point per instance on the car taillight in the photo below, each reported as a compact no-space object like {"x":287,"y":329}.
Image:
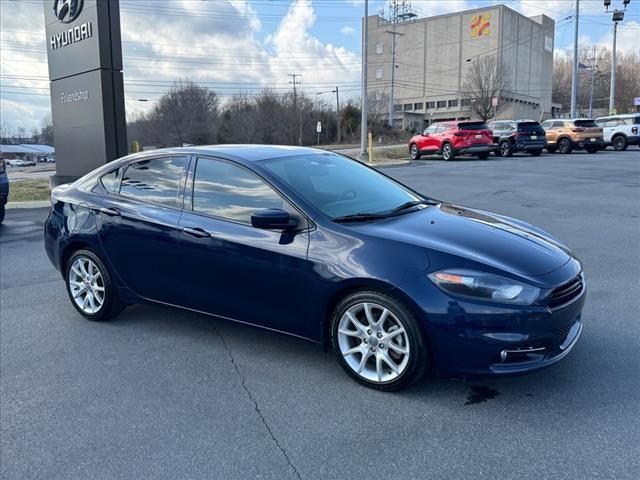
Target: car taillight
{"x":634,"y":130}
{"x":577,"y":129}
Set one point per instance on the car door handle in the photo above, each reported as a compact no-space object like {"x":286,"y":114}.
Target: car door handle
{"x":196,"y":232}
{"x":112,"y":212}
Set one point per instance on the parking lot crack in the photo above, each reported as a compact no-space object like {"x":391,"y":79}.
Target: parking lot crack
{"x":243,"y":383}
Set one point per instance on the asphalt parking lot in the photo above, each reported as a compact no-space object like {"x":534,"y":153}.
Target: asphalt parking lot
{"x":163,"y":394}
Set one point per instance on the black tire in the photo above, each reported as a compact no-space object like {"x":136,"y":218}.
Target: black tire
{"x":2,"y":213}
{"x":592,"y":149}
{"x":112,"y":305}
{"x":483,"y":156}
{"x":417,"y":362}
{"x":414,"y":153}
{"x":564,"y":146}
{"x":504,"y":149}
{"x":535,"y":153}
{"x":447,"y":152}
{"x":620,"y":143}
{"x":551,"y":149}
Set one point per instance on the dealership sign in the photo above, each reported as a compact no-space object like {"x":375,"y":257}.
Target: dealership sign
{"x":66,"y":11}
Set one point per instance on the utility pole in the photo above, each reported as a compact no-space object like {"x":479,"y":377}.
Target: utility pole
{"x":338,"y":114}
{"x":594,"y":68}
{"x":574,"y":77}
{"x":364,"y":154}
{"x":295,"y":82}
{"x":618,"y":16}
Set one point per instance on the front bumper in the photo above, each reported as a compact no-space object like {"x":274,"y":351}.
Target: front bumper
{"x":484,"y":339}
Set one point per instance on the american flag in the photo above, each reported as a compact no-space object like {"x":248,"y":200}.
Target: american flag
{"x":586,"y":69}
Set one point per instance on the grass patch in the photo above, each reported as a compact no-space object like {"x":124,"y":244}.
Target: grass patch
{"x":29,"y":190}
{"x":395,"y":153}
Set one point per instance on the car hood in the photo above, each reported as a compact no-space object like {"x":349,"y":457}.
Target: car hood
{"x":500,"y":242}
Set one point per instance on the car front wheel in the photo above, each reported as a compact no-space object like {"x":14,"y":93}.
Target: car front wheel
{"x":414,"y":152}
{"x":378,"y":341}
{"x":536,"y":153}
{"x":90,"y":287}
{"x":505,"y":149}
{"x":564,"y":146}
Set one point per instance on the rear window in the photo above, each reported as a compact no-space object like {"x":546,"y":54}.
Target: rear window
{"x":585,"y":123}
{"x":529,"y":127}
{"x":632,"y":120}
{"x":472,"y":126}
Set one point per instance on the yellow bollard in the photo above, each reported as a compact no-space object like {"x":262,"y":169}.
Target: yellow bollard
{"x":135,"y":146}
{"x":370,"y":156}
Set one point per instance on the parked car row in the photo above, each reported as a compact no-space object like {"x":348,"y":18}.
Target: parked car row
{"x":18,"y":162}
{"x":506,"y":137}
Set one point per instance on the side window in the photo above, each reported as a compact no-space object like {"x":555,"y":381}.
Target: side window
{"x":110,"y":181}
{"x":155,"y":181}
{"x":224,"y":190}
{"x":442,"y":128}
{"x":431,"y":129}
{"x":558,"y":124}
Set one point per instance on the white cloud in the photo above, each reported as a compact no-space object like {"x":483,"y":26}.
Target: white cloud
{"x":347,"y":30}
{"x":627,"y":40}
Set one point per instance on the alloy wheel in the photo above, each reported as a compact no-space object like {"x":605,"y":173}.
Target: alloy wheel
{"x":620,"y":144}
{"x":505,"y":149}
{"x":86,"y":285}
{"x":414,"y":152}
{"x":446,"y":151}
{"x":564,"y":146}
{"x":373,"y":342}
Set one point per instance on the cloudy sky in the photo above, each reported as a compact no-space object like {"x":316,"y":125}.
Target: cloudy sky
{"x":244,"y":45}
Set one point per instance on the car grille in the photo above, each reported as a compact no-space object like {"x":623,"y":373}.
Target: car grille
{"x":566,"y":293}
{"x":562,"y":332}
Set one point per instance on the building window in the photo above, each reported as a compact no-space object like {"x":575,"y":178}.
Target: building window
{"x":379,"y":73}
{"x":466,"y":102}
{"x":548,"y":43}
{"x":378,"y":95}
{"x":418,"y":106}
{"x":408,"y":106}
{"x":442,"y":104}
{"x":431,"y":104}
{"x":453,"y":103}
{"x":397,"y":108}
{"x":379,"y":48}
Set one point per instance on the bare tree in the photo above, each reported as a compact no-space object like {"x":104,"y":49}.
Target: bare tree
{"x":486,"y":80}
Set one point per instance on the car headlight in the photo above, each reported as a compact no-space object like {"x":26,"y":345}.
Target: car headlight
{"x":485,"y":286}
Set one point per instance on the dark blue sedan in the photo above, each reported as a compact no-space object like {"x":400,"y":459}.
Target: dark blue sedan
{"x":316,"y":245}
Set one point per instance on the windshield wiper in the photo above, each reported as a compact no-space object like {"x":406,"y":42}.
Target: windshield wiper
{"x":360,"y":217}
{"x":407,"y":205}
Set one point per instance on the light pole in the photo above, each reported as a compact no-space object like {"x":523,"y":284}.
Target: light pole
{"x":574,"y":76}
{"x":337,"y":92}
{"x":618,"y":16}
{"x":364,"y":154}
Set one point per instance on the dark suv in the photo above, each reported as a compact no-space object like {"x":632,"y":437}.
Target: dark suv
{"x":511,"y":136}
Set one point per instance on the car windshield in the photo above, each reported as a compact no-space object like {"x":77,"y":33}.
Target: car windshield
{"x":340,"y":187}
{"x":472,"y":126}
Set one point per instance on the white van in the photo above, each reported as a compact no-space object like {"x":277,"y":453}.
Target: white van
{"x":620,"y":130}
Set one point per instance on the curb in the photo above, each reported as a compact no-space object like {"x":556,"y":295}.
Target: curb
{"x":31,"y":204}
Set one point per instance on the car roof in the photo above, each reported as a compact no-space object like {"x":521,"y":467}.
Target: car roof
{"x":624,"y":115}
{"x":240,"y":152}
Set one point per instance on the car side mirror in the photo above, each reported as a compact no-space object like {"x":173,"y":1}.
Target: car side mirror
{"x":273,"y":219}
{"x":425,"y":134}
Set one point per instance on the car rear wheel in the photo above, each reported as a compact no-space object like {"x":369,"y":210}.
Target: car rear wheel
{"x":378,"y":341}
{"x":90,"y":287}
{"x":536,"y":153}
{"x":505,"y":149}
{"x":620,"y":143}
{"x":592,"y":149}
{"x":414,"y":152}
{"x":2,"y":213}
{"x":447,"y":152}
{"x":564,"y":146}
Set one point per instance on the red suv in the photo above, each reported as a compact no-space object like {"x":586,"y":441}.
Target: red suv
{"x":453,"y":138}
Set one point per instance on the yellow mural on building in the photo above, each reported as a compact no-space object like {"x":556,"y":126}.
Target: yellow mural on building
{"x":481,"y":25}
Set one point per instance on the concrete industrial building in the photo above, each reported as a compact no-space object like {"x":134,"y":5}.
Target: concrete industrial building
{"x":433,"y":57}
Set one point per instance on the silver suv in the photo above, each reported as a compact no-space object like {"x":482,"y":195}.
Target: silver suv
{"x":620,"y":130}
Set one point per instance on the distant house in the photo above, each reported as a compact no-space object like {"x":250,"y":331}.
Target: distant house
{"x":28,"y":152}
